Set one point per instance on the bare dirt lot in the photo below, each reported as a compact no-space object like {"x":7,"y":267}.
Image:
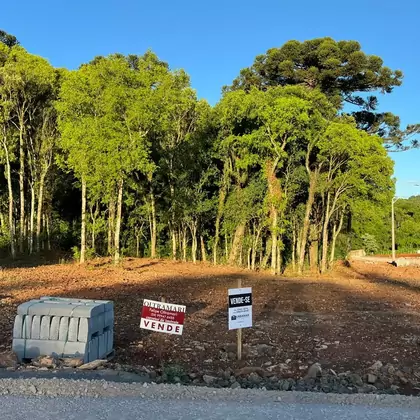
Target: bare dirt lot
{"x":345,"y":320}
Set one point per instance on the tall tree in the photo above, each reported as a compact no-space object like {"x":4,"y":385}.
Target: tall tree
{"x":105,"y":117}
{"x":340,"y":69}
{"x":26,"y":81}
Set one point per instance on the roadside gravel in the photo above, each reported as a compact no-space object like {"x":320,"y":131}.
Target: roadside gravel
{"x":97,"y":389}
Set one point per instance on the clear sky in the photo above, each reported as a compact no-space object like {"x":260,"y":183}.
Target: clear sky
{"x":212,"y":40}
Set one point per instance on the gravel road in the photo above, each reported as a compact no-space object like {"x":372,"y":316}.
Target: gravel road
{"x":36,"y":399}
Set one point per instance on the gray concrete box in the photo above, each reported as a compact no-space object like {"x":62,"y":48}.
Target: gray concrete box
{"x":64,"y":327}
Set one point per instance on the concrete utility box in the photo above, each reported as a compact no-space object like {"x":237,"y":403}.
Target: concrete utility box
{"x":64,"y":328}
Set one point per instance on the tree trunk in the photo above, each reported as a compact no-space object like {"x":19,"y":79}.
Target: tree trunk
{"x":306,"y":221}
{"x":184,"y":243}
{"x":220,"y":207}
{"x":249,"y":258}
{"x":39,"y":213}
{"x":274,"y":194}
{"x":21,"y":186}
{"x":325,"y":236}
{"x":294,"y":248}
{"x":48,"y":224}
{"x":267,"y":253}
{"x":313,"y":255}
{"x":153,"y":228}
{"x":83,"y":228}
{"x":237,"y":243}
{"x":279,"y":260}
{"x":172,"y":213}
{"x":226,"y":248}
{"x":174,"y":245}
{"x":118,"y":222}
{"x":194,"y":244}
{"x":138,"y":245}
{"x":31,"y":220}
{"x":203,"y":249}
{"x":111,"y":225}
{"x":92,"y":237}
{"x":274,"y":215}
{"x":8,"y":174}
{"x":336,"y":232}
{"x":94,"y":216}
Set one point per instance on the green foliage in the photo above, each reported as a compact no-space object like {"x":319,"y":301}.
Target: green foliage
{"x":369,"y":243}
{"x":90,"y":253}
{"x":341,"y":70}
{"x":178,"y":177}
{"x":173,"y":371}
{"x":8,"y":39}
{"x":407,"y":214}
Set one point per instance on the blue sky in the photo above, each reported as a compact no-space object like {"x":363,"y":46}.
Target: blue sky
{"x":213,"y":40}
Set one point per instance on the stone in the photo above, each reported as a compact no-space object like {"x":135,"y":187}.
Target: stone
{"x":226,"y":374}
{"x":208,"y":361}
{"x":209,"y":379}
{"x":407,"y":370}
{"x":72,"y":362}
{"x":223,"y":383}
{"x":401,"y":377}
{"x":254,"y":378}
{"x":367,"y":389}
{"x":265,"y":350}
{"x":235,"y":385}
{"x":322,"y":347}
{"x":284,"y":385}
{"x":45,"y":361}
{"x":376,"y":366}
{"x":8,"y":359}
{"x":390,"y":369}
{"x":192,"y":375}
{"x":250,"y":369}
{"x":93,"y":365}
{"x":371,"y":379}
{"x":355,"y":379}
{"x":33,"y":389}
{"x":314,"y":371}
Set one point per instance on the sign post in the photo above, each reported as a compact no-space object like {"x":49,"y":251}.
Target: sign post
{"x":240,"y":312}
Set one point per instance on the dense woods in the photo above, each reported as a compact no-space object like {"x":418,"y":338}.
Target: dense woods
{"x":120,"y":157}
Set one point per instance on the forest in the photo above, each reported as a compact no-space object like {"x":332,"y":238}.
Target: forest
{"x":292,"y":168}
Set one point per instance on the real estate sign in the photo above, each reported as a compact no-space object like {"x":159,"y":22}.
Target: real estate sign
{"x":240,"y":308}
{"x":162,"y":317}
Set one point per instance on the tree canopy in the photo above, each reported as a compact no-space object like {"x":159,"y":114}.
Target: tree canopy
{"x":120,"y":157}
{"x":339,"y":69}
